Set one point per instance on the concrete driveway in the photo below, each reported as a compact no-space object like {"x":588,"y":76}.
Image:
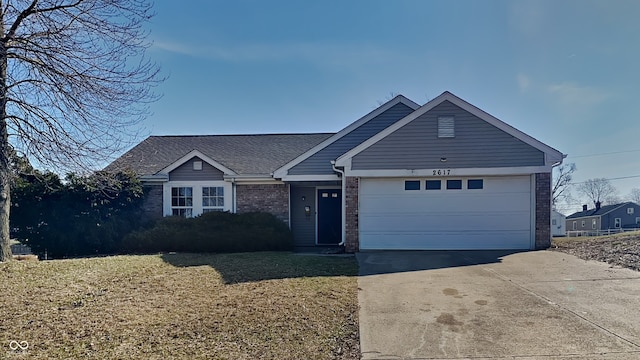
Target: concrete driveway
{"x":496,"y":305}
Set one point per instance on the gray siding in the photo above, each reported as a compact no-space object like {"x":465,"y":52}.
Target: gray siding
{"x":320,"y":162}
{"x":627,"y":220}
{"x":588,"y":223}
{"x":476,"y":144}
{"x":185,"y":172}
{"x":302,"y":226}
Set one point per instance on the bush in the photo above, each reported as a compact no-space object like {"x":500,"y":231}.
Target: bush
{"x":212,"y":232}
{"x":75,"y":217}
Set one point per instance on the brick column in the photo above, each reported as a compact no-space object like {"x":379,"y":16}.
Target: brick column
{"x":543,"y":210}
{"x":352,"y":243}
{"x":152,"y":202}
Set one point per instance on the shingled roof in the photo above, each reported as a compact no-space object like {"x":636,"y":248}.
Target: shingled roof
{"x":597,"y":212}
{"x":244,"y":154}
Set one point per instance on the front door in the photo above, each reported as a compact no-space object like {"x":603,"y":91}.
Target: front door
{"x":329,"y":216}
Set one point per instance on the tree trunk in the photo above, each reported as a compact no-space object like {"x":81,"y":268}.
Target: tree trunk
{"x":5,"y":169}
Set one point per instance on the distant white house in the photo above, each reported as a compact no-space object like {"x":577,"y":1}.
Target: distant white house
{"x":558,"y":224}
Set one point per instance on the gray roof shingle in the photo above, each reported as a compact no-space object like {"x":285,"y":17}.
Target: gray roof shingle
{"x":245,"y":154}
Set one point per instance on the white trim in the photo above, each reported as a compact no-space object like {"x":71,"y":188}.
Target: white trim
{"x":253,"y":180}
{"x":283,"y":171}
{"x":428,"y":173}
{"x":197,"y":194}
{"x":332,"y":177}
{"x":202,"y":156}
{"x":155,"y":178}
{"x":551,"y":155}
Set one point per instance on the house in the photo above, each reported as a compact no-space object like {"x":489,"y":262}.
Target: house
{"x":444,"y":175}
{"x":558,"y":221}
{"x":610,"y":217}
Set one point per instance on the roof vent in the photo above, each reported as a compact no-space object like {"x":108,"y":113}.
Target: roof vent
{"x":584,"y":207}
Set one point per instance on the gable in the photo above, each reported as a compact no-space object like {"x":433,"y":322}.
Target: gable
{"x":320,"y":162}
{"x":396,"y":157}
{"x":188,"y":172}
{"x":476,"y":143}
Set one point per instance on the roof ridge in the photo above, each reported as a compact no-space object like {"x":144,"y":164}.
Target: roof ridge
{"x":231,"y":135}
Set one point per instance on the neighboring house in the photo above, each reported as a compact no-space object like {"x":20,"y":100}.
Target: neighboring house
{"x":619,"y":216}
{"x":444,"y":175}
{"x":558,"y":221}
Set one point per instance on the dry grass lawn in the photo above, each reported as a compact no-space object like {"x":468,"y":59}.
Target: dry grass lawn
{"x":181,"y":306}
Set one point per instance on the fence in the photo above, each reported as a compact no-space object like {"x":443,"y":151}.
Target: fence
{"x":575,"y":233}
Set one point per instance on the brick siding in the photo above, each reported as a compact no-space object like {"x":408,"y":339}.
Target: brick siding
{"x":352,"y":242}
{"x":271,"y":198}
{"x":543,"y":210}
{"x":152,"y":203}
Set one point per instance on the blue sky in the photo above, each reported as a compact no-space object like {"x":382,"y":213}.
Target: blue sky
{"x":565,"y":72}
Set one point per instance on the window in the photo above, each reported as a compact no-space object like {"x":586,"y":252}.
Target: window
{"x":638,"y":221}
{"x":412,"y":185}
{"x":434,"y":184}
{"x":475,"y":184}
{"x":553,"y":221}
{"x":617,"y":222}
{"x":197,"y":165}
{"x":630,"y":211}
{"x":212,"y":199}
{"x":454,"y":184}
{"x":582,"y":224}
{"x":575,"y":225}
{"x":594,"y":224}
{"x":446,"y":127}
{"x":182,"y":201}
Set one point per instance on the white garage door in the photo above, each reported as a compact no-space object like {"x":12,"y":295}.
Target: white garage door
{"x":497,"y":216}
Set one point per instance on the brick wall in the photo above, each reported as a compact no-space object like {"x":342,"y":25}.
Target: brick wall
{"x":152,"y":203}
{"x":271,"y":198}
{"x":543,"y":210}
{"x":352,"y":242}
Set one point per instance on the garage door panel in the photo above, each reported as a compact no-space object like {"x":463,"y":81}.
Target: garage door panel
{"x":448,"y":240}
{"x":446,"y":221}
{"x":445,"y":202}
{"x":495,"y":217}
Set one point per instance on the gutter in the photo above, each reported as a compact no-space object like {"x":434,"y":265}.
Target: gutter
{"x":344,"y":202}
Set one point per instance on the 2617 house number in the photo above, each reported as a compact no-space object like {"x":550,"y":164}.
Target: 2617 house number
{"x":442,"y":172}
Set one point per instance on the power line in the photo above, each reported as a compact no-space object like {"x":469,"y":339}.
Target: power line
{"x":615,"y":178}
{"x":602,"y":154}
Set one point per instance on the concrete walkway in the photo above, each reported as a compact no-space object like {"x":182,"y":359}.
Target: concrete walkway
{"x":496,"y":305}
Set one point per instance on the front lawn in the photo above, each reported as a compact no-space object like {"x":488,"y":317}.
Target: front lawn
{"x":181,"y":306}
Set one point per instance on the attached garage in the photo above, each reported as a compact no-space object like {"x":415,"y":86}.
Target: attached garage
{"x":457,"y":213}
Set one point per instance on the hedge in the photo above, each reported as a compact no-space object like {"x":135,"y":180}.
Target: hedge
{"x":212,"y":232}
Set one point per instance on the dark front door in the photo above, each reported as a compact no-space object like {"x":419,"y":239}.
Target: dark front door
{"x":329,"y":216}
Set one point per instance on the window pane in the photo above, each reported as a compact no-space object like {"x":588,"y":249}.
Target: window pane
{"x":434,"y":184}
{"x":475,"y":184}
{"x":412,"y":185}
{"x":174,"y":191}
{"x":220,"y":191}
{"x":454,"y":184}
{"x":205,"y":191}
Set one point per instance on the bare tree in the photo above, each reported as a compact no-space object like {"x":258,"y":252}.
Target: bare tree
{"x":562,"y":177}
{"x":74,"y":83}
{"x":634,"y":195}
{"x":598,"y":190}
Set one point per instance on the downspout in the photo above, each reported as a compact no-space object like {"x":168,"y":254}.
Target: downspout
{"x":343,"y":209}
